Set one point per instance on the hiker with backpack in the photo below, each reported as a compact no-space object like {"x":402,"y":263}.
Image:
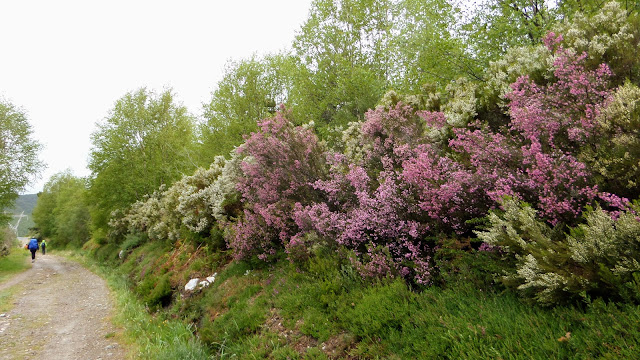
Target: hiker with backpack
{"x":33,"y":247}
{"x":43,"y":245}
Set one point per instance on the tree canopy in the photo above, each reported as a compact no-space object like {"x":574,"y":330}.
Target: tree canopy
{"x":146,"y":141}
{"x":19,"y":161}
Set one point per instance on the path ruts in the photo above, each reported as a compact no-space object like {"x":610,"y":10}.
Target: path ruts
{"x":61,"y":311}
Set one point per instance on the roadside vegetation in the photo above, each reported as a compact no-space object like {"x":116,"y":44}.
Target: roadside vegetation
{"x":411,"y":180}
{"x":14,"y":262}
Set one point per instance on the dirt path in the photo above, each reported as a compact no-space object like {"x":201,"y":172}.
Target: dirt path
{"x":61,"y":311}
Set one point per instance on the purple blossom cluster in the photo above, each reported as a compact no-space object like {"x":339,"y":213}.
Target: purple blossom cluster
{"x":382,"y":205}
{"x":280,"y":164}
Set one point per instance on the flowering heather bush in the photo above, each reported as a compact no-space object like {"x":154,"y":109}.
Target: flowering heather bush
{"x":447,"y":193}
{"x":368,"y":207}
{"x":375,"y":218}
{"x":280,"y":163}
{"x":389,"y":136}
{"x":546,"y":128}
{"x":536,"y":158}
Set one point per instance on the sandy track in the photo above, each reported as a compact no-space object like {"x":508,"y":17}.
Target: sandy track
{"x":61,"y":311}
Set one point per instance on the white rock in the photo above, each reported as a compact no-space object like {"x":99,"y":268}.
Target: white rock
{"x":121,"y":254}
{"x":191,"y":285}
{"x":203,"y":283}
{"x":211,"y":279}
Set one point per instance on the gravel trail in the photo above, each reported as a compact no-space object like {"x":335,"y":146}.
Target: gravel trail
{"x":60,"y":311}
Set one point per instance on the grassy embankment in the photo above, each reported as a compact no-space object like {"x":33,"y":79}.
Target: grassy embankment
{"x":10,"y":265}
{"x":322,"y":309}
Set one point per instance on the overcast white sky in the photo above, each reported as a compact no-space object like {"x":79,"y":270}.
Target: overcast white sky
{"x":66,"y":62}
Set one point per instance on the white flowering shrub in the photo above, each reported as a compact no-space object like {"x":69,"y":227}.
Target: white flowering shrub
{"x":533,"y":61}
{"x":462,"y":106}
{"x":195,"y":203}
{"x":609,"y":37}
{"x":223,"y":196}
{"x":616,"y":162}
{"x":192,"y":199}
{"x":599,"y":258}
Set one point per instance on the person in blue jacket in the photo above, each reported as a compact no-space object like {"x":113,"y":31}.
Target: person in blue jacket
{"x":33,"y":247}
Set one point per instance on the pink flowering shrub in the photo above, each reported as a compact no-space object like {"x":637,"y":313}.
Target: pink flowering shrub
{"x":448,"y":194}
{"x":368,"y":207}
{"x":536,"y":158}
{"x":280,"y":164}
{"x":374,"y":218}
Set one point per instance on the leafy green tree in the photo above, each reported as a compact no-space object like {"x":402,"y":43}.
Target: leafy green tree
{"x":250,"y":90}
{"x":424,"y":49}
{"x":18,"y":154}
{"x":352,"y":52}
{"x":491,"y":27}
{"x":147,"y":140}
{"x":341,"y":46}
{"x":62,"y":212}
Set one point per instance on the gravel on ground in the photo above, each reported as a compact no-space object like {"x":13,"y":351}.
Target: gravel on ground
{"x":60,"y":310}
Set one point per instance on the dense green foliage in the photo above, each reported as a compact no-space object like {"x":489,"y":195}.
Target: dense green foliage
{"x":8,"y":240}
{"x":18,"y":154}
{"x":146,"y":141}
{"x":62,"y":211}
{"x":249,"y":90}
{"x":425,"y":163}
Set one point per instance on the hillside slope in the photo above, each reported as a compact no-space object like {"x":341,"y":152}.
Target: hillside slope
{"x":21,"y":211}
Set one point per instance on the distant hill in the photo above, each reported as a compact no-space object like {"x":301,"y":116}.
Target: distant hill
{"x":21,"y":210}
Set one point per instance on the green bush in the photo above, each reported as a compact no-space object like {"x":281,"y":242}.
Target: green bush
{"x":7,"y":241}
{"x":106,"y":253}
{"x":133,"y":240}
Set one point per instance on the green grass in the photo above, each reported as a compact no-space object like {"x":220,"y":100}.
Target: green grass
{"x":6,"y":297}
{"x":328,"y":306}
{"x":323,"y":309}
{"x":13,"y":263}
{"x":10,"y":265}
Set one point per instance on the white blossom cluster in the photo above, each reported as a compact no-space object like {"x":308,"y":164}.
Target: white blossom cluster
{"x":554,"y":269}
{"x":620,"y":119}
{"x":532,"y":276}
{"x":518,"y":61}
{"x":608,"y":30}
{"x":516,"y":229}
{"x":606,"y":240}
{"x":194,"y":202}
{"x":352,"y":143}
{"x":461,"y":107}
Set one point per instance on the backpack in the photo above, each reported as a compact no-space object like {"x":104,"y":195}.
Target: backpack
{"x":33,"y":244}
